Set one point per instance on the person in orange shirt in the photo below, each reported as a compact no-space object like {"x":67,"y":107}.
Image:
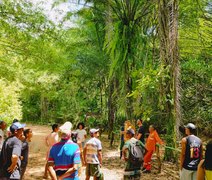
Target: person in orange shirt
{"x":151,"y":142}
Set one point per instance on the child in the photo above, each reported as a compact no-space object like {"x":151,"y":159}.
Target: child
{"x":151,"y":142}
{"x":81,"y":133}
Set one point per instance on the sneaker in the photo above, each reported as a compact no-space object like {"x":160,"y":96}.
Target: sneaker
{"x":146,"y":171}
{"x":143,"y":169}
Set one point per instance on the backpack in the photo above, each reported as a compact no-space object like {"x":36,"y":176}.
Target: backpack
{"x":136,"y":153}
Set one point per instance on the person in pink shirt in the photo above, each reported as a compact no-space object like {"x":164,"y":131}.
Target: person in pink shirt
{"x":50,"y":140}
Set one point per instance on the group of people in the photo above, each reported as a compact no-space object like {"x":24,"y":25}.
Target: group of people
{"x":14,"y":149}
{"x":134,"y":144}
{"x":69,"y":150}
{"x":192,"y":167}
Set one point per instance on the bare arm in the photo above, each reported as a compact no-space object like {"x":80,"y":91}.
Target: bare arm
{"x":14,"y":160}
{"x":52,"y":171}
{"x":182,"y":155}
{"x":100,"y":156}
{"x":139,"y":136}
{"x":69,"y":172}
{"x":84,"y":155}
{"x":125,"y":153}
{"x":200,"y":171}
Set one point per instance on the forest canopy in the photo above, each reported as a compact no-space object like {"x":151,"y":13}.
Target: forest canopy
{"x":117,"y":60}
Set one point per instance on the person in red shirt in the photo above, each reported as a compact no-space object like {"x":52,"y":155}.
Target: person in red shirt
{"x":151,"y":142}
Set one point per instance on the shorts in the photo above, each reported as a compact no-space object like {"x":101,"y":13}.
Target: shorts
{"x":188,"y":174}
{"x":93,"y":170}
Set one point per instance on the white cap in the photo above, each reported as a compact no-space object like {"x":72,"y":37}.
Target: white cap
{"x":92,"y":131}
{"x":66,"y":128}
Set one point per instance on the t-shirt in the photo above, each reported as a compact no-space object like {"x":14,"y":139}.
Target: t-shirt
{"x":92,"y":147}
{"x":1,"y":138}
{"x":81,"y":134}
{"x":12,"y":145}
{"x":208,"y":174}
{"x":25,"y":153}
{"x":64,"y":155}
{"x":141,"y":130}
{"x":129,"y":165}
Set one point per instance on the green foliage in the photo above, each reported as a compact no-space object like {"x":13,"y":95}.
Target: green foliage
{"x":52,"y":74}
{"x":10,"y":106}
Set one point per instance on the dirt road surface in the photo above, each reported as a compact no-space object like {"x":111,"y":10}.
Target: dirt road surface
{"x":112,"y":165}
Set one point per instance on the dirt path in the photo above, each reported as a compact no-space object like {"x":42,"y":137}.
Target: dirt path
{"x":112,"y":165}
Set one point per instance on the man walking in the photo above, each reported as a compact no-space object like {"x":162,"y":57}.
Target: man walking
{"x":93,"y":156}
{"x":11,"y":152}
{"x":64,"y":156}
{"x":191,"y":153}
{"x":133,"y":152}
{"x":141,"y":131}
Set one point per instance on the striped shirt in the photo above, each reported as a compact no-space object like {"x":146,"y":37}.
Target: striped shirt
{"x":92,"y":148}
{"x":64,"y":155}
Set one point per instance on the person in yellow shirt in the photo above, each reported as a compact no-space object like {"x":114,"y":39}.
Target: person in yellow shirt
{"x":204,"y":171}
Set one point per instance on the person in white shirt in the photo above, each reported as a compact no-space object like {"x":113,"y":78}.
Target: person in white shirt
{"x":93,"y":156}
{"x":81,"y":133}
{"x":3,"y":126}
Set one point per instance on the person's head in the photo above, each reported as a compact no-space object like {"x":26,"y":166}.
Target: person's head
{"x":15,"y":120}
{"x":208,"y":156}
{"x":81,"y":126}
{"x":55,"y":127}
{"x":28,"y":134}
{"x":3,"y":125}
{"x":190,"y":129}
{"x":17,"y":129}
{"x":94,"y":132}
{"x":151,"y":128}
{"x":139,"y":122}
{"x":130,"y":133}
{"x":74,"y":136}
{"x":65,"y":130}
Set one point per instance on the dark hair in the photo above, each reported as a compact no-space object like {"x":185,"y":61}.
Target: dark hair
{"x":1,"y":122}
{"x":82,"y":124}
{"x":192,"y":131}
{"x":15,"y":120}
{"x":140,"y":120}
{"x":54,"y":126}
{"x":208,"y":156}
{"x":153,"y":126}
{"x":26,"y":131}
{"x":74,"y":136}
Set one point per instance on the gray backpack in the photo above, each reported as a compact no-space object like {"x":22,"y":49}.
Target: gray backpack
{"x":136,"y":153}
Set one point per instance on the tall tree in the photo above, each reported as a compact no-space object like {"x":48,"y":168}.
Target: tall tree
{"x":169,"y":56}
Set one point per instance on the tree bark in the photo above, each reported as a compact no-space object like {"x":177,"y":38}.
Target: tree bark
{"x":170,"y":85}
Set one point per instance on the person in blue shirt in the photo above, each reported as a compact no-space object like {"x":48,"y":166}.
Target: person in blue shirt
{"x":64,"y":156}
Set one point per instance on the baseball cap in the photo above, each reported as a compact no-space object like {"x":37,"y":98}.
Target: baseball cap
{"x":190,"y":126}
{"x":16,"y":126}
{"x":92,"y":131}
{"x":66,"y":128}
{"x":130,"y":131}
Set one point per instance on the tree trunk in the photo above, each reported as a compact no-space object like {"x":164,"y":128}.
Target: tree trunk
{"x":111,"y":111}
{"x":170,"y":85}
